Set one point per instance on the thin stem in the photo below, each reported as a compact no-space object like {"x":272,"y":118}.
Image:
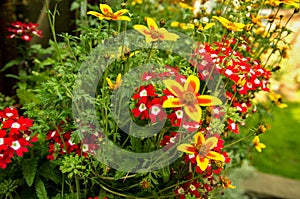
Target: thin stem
{"x":239,"y":140}
{"x":149,"y":54}
{"x":51,"y":18}
{"x":77,"y":187}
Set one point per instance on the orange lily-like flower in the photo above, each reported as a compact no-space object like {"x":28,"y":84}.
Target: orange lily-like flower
{"x":114,"y":86}
{"x":187,"y":97}
{"x":230,"y":25}
{"x":108,"y":14}
{"x":202,"y":150}
{"x":153,"y":33}
{"x":259,"y":146}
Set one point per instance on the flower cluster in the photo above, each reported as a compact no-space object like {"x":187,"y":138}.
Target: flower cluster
{"x":206,"y":161}
{"x":24,"y":31}
{"x":15,"y":135}
{"x":241,"y":75}
{"x":61,"y":143}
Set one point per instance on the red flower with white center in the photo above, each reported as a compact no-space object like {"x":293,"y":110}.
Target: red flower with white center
{"x":175,"y":117}
{"x":242,"y":106}
{"x":169,"y":140}
{"x":141,"y":111}
{"x":232,"y":126}
{"x":156,"y":110}
{"x":15,"y":136}
{"x":218,"y":112}
{"x":193,"y":188}
{"x":24,"y":31}
{"x":9,"y":112}
{"x":191,"y":126}
{"x":18,"y":146}
{"x":180,"y":191}
{"x":144,"y":93}
{"x":4,"y":141}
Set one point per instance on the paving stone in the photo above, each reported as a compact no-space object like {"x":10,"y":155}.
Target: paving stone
{"x":272,"y":185}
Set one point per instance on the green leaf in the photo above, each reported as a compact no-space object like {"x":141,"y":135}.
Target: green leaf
{"x":26,"y":96}
{"x":29,"y":167}
{"x":11,"y":63}
{"x":75,"y":5}
{"x":40,"y":189}
{"x":48,"y":171}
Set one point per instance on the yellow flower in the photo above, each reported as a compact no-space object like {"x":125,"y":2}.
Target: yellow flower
{"x":153,"y":33}
{"x":124,"y":53}
{"x":259,"y":146}
{"x":114,"y":86}
{"x":277,"y":100}
{"x":186,"y":96}
{"x":134,"y":2}
{"x":230,"y":25}
{"x":207,"y":26}
{"x":186,"y":6}
{"x":108,"y":14}
{"x":256,"y":20}
{"x":275,"y":3}
{"x":202,"y":150}
{"x":183,"y":26}
{"x":226,"y":183}
{"x":262,"y":31}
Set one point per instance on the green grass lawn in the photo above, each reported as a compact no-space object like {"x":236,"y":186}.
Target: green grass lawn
{"x":282,"y":154}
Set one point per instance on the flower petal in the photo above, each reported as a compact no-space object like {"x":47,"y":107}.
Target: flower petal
{"x":192,"y":84}
{"x":142,"y":29}
{"x":150,"y":39}
{"x":122,"y":18}
{"x":121,"y":12}
{"x":105,"y":9}
{"x":174,"y":87}
{"x":151,"y":23}
{"x":110,"y":84}
{"x":215,"y":156}
{"x":94,"y":13}
{"x":167,"y":35}
{"x":199,"y":139}
{"x":255,"y":140}
{"x":211,"y":142}
{"x":118,"y":80}
{"x":202,"y":162}
{"x":208,"y":100}
{"x":172,"y":103}
{"x":194,"y":112}
{"x":187,"y":148}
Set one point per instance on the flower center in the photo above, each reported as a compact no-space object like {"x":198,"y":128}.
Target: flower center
{"x":189,"y":98}
{"x":110,"y":14}
{"x":203,"y":151}
{"x":155,"y":34}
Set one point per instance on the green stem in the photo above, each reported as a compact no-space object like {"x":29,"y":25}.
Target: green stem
{"x":51,"y":18}
{"x":149,"y":54}
{"x":108,"y":30}
{"x":77,"y":187}
{"x":239,"y":140}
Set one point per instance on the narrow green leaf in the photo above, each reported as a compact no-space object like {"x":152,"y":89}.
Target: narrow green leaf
{"x":29,"y":167}
{"x":40,"y":189}
{"x":11,"y":63}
